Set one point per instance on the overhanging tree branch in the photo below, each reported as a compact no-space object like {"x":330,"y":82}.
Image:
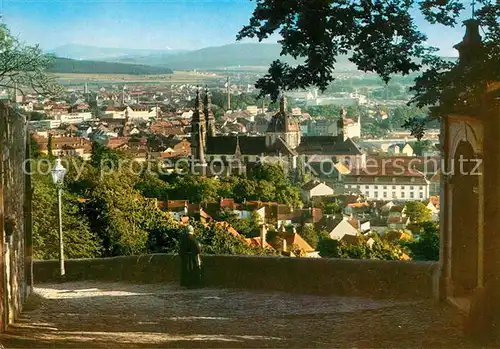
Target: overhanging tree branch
{"x":24,"y":67}
{"x":378,"y":36}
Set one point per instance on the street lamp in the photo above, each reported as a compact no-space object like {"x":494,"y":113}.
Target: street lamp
{"x":58,"y":173}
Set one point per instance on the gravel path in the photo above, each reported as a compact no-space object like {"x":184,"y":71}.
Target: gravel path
{"x":119,"y":315}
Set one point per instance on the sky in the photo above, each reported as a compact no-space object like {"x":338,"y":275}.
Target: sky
{"x":150,"y":24}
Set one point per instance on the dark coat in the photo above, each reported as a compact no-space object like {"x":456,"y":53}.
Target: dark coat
{"x":190,"y":255}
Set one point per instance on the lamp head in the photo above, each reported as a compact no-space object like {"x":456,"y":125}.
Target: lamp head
{"x":58,"y":172}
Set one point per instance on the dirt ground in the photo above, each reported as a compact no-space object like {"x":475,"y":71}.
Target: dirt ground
{"x":119,"y":315}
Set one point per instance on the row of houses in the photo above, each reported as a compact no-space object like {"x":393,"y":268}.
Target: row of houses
{"x":357,"y":217}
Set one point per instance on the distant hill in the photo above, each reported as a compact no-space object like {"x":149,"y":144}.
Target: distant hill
{"x":65,"y":65}
{"x":75,"y":51}
{"x":227,"y":56}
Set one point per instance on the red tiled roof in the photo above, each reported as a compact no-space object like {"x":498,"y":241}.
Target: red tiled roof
{"x":227,"y":203}
{"x":257,"y":242}
{"x":354,"y":222}
{"x":226,"y":226}
{"x":297,"y":240}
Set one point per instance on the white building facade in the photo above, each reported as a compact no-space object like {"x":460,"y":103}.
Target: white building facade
{"x":396,"y":187}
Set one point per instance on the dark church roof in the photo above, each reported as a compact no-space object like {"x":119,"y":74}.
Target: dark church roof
{"x":328,"y":145}
{"x":281,"y":147}
{"x":226,"y":145}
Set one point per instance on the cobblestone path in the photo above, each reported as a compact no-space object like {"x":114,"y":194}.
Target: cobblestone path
{"x":119,"y":315}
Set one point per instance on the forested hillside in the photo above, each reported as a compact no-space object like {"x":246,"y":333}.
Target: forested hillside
{"x":65,"y":65}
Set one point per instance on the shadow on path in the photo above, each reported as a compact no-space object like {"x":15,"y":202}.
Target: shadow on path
{"x":119,"y":315}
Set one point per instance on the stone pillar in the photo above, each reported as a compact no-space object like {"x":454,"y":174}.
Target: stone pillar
{"x":444,"y":278}
{"x":479,"y":171}
{"x":483,"y":321}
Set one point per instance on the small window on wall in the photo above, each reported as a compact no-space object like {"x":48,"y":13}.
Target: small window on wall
{"x":393,"y":194}
{"x":411,"y":195}
{"x":402,"y":194}
{"x":367,"y":187}
{"x":421,"y":195}
{"x":385,"y":194}
{"x":376,"y":194}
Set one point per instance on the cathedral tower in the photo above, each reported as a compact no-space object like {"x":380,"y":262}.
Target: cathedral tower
{"x":208,"y":113}
{"x":341,"y":127}
{"x":284,"y":126}
{"x":198,"y":131}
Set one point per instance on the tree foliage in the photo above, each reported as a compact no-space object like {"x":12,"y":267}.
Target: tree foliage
{"x":417,"y":212}
{"x":309,"y":234}
{"x":426,"y":246}
{"x":217,"y":240}
{"x":379,"y":249}
{"x":380,"y":37}
{"x":24,"y":67}
{"x":79,"y":240}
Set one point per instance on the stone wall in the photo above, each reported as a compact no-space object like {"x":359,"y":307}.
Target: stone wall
{"x":12,"y":191}
{"x":373,"y":278}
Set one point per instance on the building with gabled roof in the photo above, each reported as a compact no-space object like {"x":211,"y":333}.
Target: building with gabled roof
{"x":282,"y":141}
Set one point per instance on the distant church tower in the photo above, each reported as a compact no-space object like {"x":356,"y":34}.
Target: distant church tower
{"x":284,"y":126}
{"x":209,"y":115}
{"x":341,"y":136}
{"x":198,"y":131}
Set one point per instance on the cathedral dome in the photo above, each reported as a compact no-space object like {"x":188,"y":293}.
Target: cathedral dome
{"x":282,"y":121}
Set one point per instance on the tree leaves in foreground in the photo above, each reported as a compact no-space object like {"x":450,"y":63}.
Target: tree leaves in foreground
{"x":24,"y":67}
{"x":426,"y":246}
{"x":79,"y":240}
{"x":380,"y":37}
{"x":379,"y":249}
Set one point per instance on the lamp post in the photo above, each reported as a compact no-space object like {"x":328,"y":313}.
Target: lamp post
{"x":58,"y":173}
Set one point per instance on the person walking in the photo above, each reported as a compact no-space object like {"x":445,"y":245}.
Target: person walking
{"x":190,"y":255}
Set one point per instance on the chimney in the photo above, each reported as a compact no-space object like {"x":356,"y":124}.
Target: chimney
{"x":263,"y":235}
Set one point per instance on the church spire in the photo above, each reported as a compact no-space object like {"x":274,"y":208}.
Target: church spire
{"x":237,"y":152}
{"x":209,"y":115}
{"x":198,"y":106}
{"x":284,"y":110}
{"x":470,"y":48}
{"x":340,"y":125}
{"x":283,"y":106}
{"x":198,"y":131}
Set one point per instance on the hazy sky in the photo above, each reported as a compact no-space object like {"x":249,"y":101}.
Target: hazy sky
{"x":188,"y":24}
